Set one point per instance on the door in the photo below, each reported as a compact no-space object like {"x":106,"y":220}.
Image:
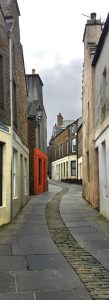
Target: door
{"x":1,"y":169}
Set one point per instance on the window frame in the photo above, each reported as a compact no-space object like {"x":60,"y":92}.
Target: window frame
{"x":73,"y":168}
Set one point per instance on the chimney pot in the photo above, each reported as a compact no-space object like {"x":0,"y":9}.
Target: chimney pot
{"x":93,"y":16}
{"x":33,"y":71}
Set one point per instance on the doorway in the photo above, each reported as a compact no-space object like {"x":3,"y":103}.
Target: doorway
{"x":1,"y":171}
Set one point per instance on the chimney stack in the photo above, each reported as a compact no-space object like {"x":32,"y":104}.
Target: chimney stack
{"x":33,"y":71}
{"x":59,"y":120}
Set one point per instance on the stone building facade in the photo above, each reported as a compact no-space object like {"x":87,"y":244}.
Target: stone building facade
{"x":90,"y":166}
{"x":37,"y":135}
{"x":96,"y":118}
{"x":14,"y":154}
{"x":101,"y":116}
{"x":64,"y":154}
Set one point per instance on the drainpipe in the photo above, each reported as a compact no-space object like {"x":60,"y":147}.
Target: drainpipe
{"x":76,"y":136}
{"x":10,"y":25}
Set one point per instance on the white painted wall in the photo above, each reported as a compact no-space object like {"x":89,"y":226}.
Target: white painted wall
{"x":102,"y":126}
{"x":103,"y":172}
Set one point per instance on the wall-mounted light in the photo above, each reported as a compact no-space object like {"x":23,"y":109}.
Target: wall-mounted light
{"x":38,"y":115}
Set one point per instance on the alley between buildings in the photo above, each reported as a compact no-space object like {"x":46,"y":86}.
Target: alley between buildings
{"x":57,"y":248}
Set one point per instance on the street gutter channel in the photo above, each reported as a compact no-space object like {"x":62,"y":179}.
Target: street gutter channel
{"x":91,"y":272}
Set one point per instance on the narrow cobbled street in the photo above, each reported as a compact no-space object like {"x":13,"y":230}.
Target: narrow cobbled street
{"x":56,"y":249}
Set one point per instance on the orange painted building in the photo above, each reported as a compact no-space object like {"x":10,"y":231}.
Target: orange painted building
{"x":40,"y":172}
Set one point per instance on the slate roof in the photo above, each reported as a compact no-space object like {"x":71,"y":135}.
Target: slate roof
{"x":32,"y":106}
{"x":7,"y":9}
{"x":101,"y":41}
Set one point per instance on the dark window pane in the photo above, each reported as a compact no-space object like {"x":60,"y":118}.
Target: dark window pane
{"x":73,"y":168}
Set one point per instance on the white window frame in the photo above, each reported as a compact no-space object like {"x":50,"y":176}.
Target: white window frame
{"x":15,"y":154}
{"x":25,"y":175}
{"x":73,"y":143}
{"x":73,"y":168}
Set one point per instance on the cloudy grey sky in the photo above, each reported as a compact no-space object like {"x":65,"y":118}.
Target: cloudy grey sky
{"x":51,"y":35}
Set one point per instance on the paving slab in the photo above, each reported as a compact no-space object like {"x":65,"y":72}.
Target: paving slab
{"x":89,"y":236}
{"x":47,"y":280}
{"x":41,"y":262}
{"x":30,"y":245}
{"x":5,"y":250}
{"x":7,"y":282}
{"x":83,"y":229}
{"x":12,"y":263}
{"x":17,"y":296}
{"x":34,"y":230}
{"x":102,"y":256}
{"x":75,"y":294}
{"x":80,"y":224}
{"x":92,"y":245}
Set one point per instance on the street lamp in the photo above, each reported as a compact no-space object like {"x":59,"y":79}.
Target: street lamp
{"x":38,"y":115}
{"x":38,"y":121}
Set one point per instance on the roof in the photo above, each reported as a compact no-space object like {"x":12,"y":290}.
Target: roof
{"x":31,"y":107}
{"x":2,"y":13}
{"x":101,"y":41}
{"x":79,"y":120}
{"x":7,"y":7}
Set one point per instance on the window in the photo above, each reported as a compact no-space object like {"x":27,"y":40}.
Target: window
{"x":73,"y":168}
{"x":14,"y":104}
{"x":14,"y":173}
{"x":25,"y":175}
{"x":55,"y":153}
{"x":73,"y":145}
{"x":64,"y":169}
{"x":59,"y":151}
{"x":104,"y":85}
{"x":103,"y":96}
{"x":67,"y":169}
{"x":73,"y":128}
{"x":1,"y":83}
{"x":67,"y":147}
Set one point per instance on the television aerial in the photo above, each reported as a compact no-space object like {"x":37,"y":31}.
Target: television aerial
{"x":86,"y":16}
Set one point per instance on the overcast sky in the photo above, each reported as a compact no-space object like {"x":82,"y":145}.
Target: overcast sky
{"x":51,"y":35}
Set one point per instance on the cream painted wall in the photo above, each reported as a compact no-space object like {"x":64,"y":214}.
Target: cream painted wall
{"x":11,"y":208}
{"x":5,"y":210}
{"x":21,"y":197}
{"x":80,"y":172}
{"x":58,"y":168}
